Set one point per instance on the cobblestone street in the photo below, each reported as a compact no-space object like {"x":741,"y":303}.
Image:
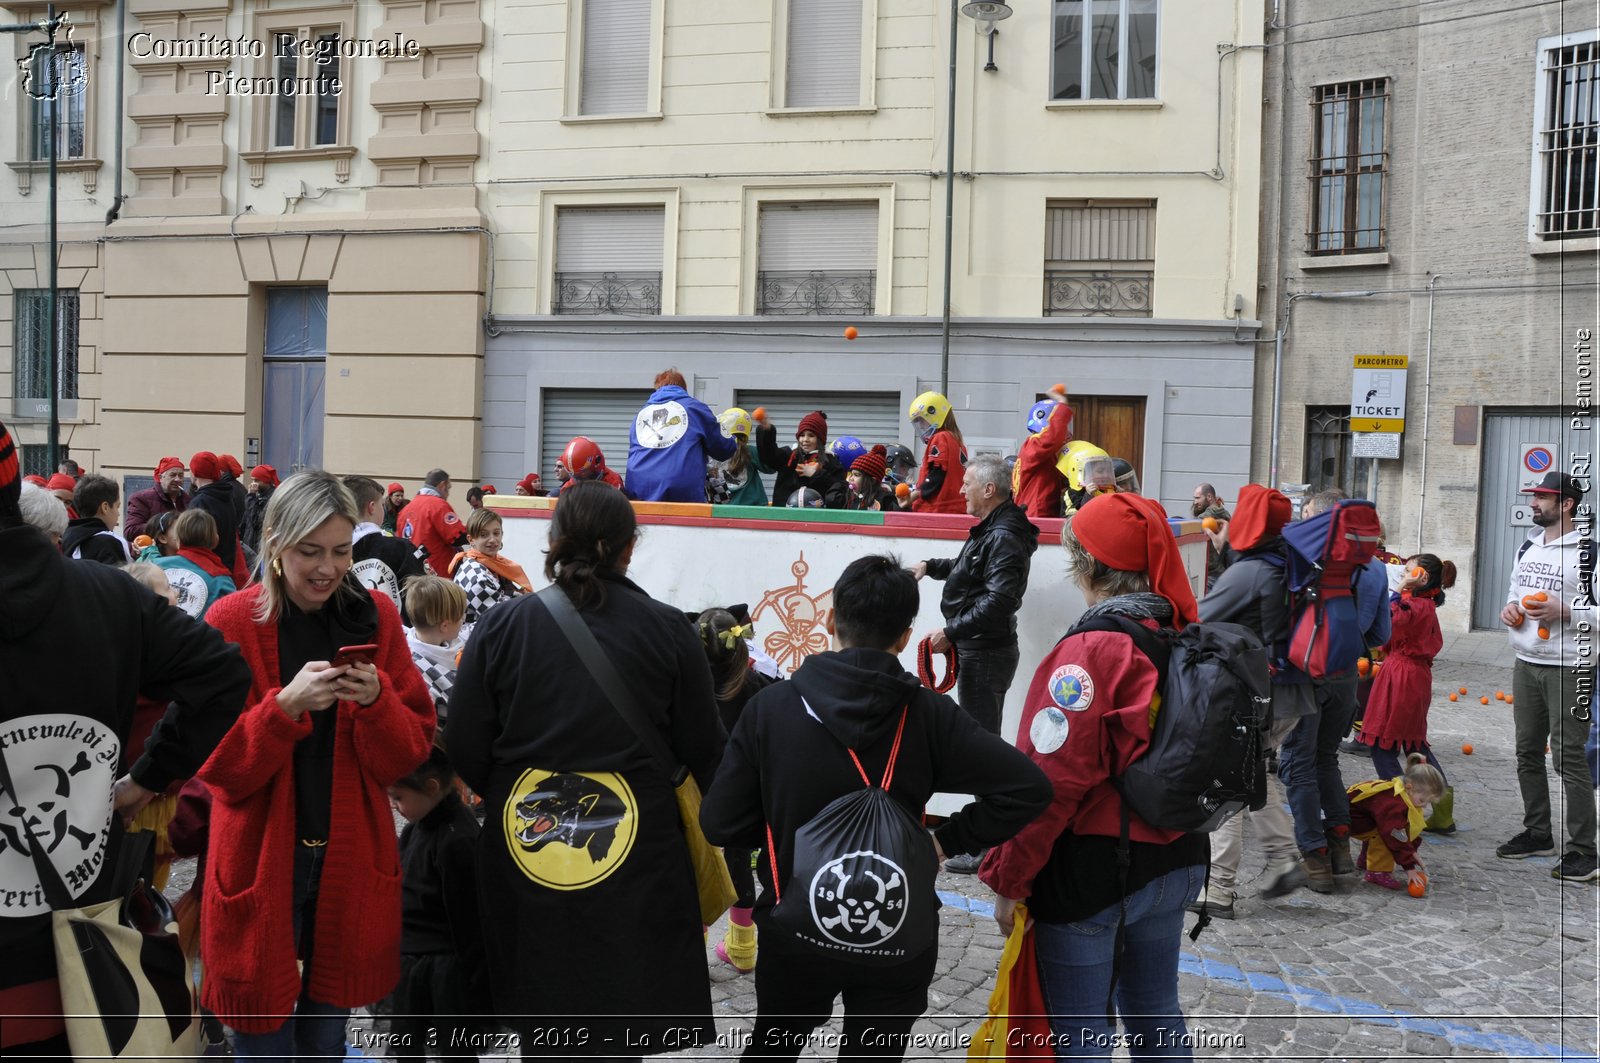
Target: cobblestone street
{"x":1499,"y":960}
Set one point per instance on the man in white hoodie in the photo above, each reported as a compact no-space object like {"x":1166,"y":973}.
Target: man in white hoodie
{"x":1550,"y":611}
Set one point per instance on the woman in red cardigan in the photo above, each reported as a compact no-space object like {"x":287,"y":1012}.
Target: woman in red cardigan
{"x":303,"y":862}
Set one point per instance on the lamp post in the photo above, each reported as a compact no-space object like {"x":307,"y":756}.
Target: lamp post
{"x":49,"y":26}
{"x":987,"y":14}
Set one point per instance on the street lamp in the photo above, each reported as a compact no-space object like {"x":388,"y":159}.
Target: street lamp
{"x":986,"y":14}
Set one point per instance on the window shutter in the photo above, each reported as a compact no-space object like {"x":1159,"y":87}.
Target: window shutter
{"x":1101,"y":233}
{"x":609,"y":239}
{"x":824,"y":55}
{"x":616,"y":57}
{"x":603,"y":415}
{"x":818,"y":236}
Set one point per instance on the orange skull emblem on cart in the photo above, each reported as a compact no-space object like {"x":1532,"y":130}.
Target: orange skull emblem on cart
{"x":802,"y":619}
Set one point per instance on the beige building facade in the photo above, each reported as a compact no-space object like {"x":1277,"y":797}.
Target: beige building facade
{"x":513,"y":213}
{"x":1409,"y":212}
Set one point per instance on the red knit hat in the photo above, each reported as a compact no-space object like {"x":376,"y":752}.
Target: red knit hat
{"x":168,"y":463}
{"x":1260,"y":514}
{"x":205,"y":466}
{"x":266,"y":474}
{"x":488,"y":489}
{"x":1130,"y":533}
{"x":874,"y":462}
{"x":61,"y":482}
{"x":392,"y":488}
{"x":816,"y":421}
{"x":529,"y":482}
{"x":230,"y":465}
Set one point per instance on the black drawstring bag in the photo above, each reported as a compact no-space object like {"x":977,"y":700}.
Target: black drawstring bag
{"x":862,"y":884}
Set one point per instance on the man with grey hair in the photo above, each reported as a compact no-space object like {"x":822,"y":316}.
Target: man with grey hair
{"x":983,"y":587}
{"x":44,"y":511}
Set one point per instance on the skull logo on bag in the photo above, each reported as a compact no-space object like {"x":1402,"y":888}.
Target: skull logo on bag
{"x":859,"y":900}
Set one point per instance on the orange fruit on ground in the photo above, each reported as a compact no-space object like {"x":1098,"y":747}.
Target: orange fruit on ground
{"x":1544,"y":632}
{"x":1455,"y":697}
{"x":850,"y":332}
{"x":1499,"y":695}
{"x":1463,"y":690}
{"x":1467,"y":749}
{"x":1416,"y":889}
{"x":1484,"y":700}
{"x":1508,"y":699}
{"x":1210,"y":524}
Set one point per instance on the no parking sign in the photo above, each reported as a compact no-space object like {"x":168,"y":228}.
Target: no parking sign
{"x":1536,"y":460}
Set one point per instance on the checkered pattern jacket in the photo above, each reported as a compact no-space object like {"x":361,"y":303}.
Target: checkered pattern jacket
{"x":437,"y":665}
{"x":484,"y":588}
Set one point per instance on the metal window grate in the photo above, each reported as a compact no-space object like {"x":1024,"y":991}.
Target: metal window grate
{"x":808,"y":292}
{"x":32,"y":365}
{"x":1349,"y":168}
{"x":1328,"y":460}
{"x":1099,"y":258}
{"x":635,"y":293}
{"x":1569,"y":138}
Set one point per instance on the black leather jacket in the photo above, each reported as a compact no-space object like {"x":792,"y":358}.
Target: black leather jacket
{"x":983,"y":585}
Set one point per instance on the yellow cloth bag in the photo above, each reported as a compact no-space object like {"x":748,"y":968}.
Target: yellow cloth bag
{"x":711,"y":876}
{"x":993,"y":1036}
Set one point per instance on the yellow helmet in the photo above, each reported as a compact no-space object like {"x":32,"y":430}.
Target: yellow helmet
{"x":930,"y":408}
{"x":1086,"y":467}
{"x":735,"y":422}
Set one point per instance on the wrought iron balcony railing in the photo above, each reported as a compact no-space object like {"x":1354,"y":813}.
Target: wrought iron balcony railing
{"x":636,"y":293}
{"x":799,"y":292}
{"x":1097,"y":293}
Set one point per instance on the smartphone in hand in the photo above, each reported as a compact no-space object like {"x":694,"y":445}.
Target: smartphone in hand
{"x":354,"y":655}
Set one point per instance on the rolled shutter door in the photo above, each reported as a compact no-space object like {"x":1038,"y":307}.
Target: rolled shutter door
{"x":605,"y":416}
{"x":872,"y":417}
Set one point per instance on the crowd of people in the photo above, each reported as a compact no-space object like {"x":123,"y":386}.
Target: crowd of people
{"x":299,"y":662}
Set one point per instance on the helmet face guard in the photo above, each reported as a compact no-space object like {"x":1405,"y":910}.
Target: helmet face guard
{"x":928,"y":413}
{"x":924,"y":429}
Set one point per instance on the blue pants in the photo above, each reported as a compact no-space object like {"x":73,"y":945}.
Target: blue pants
{"x":1302,"y":773}
{"x":1075,"y":974}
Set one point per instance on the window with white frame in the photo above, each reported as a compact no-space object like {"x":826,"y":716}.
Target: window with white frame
{"x":817,"y":258}
{"x":1104,"y":49}
{"x":30,"y":347}
{"x":60,"y":95}
{"x":305,"y":111}
{"x":614,"y":75}
{"x":1566,"y":200}
{"x":823,"y":54}
{"x":608,"y":260}
{"x":1100,"y":258}
{"x":1349,"y":164}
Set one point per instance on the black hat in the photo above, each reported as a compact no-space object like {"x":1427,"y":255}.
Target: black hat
{"x":1557,"y":483}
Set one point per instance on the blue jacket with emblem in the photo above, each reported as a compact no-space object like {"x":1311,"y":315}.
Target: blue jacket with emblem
{"x":671,"y":440}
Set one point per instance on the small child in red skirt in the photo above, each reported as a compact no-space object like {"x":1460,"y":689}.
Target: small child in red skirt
{"x":1386,"y":817}
{"x":1396,"y":720}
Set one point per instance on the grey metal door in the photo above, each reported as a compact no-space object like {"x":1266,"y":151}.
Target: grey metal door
{"x":1505,"y":434}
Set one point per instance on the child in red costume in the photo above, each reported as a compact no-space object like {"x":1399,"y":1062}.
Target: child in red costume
{"x":1386,"y":817}
{"x":1036,"y":482}
{"x":944,"y":463}
{"x":1396,"y":718}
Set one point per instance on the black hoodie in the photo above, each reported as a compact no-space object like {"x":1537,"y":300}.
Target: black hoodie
{"x":93,"y":541}
{"x":787,"y":759}
{"x":984,"y":584}
{"x":78,"y":645}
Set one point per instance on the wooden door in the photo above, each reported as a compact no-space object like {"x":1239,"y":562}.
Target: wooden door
{"x":1114,"y":423}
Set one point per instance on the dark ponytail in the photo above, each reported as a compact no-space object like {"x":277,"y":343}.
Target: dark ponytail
{"x":591,"y":529}
{"x":1441,"y":575}
{"x":726,"y":652}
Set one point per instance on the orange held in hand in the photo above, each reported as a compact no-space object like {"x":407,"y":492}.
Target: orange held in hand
{"x":1059,"y":389}
{"x":1521,"y":616}
{"x":902,"y":491}
{"x":760,"y":414}
{"x":1211,"y":524}
{"x":1541,"y":596}
{"x":850,"y":332}
{"x":1467,"y":749}
{"x":1363,"y":666}
{"x":1417,"y":573}
{"x":1417,"y":889}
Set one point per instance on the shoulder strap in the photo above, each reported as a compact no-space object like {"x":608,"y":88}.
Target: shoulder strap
{"x":594,"y":659}
{"x":1526,"y":544}
{"x":1151,"y":643}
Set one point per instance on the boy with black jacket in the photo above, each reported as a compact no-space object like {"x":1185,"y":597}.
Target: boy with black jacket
{"x":92,"y":536}
{"x":790,"y":756}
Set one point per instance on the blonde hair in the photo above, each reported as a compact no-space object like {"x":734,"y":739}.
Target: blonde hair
{"x":196,"y":527}
{"x":1424,"y":777}
{"x":479,"y":520}
{"x":152,"y":576}
{"x":302,"y":504}
{"x":1090,"y":571}
{"x":434,"y":600}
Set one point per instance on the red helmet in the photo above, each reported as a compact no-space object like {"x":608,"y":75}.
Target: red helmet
{"x":583,"y":458}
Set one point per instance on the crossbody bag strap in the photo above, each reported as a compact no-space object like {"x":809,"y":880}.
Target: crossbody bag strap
{"x":55,"y":890}
{"x":594,"y":658}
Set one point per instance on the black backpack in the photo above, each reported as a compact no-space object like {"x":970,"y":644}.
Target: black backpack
{"x":861,"y":888}
{"x":1206,"y":761}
